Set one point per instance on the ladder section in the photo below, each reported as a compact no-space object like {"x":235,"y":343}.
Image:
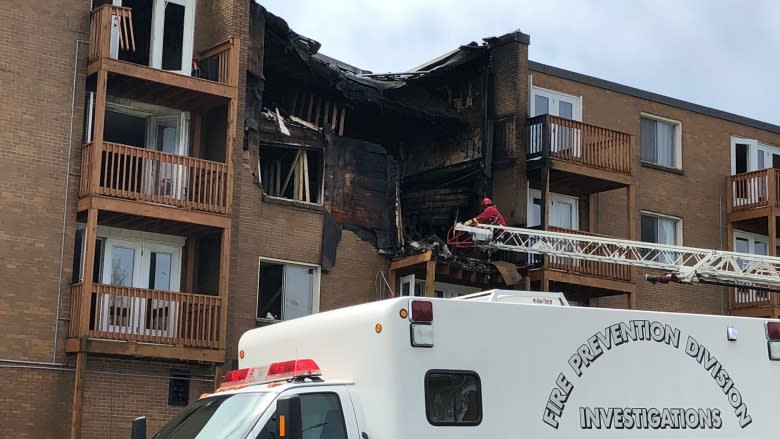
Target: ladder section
{"x":683,"y":264}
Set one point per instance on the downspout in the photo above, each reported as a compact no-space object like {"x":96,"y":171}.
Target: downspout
{"x":67,"y":199}
{"x":723,"y":291}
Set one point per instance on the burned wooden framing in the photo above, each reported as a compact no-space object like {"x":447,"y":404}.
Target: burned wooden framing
{"x":402,"y":156}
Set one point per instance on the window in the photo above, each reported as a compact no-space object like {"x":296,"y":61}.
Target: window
{"x":292,"y":173}
{"x":453,"y":398}
{"x":222,"y":416}
{"x":662,"y":229}
{"x":748,"y":155}
{"x":321,"y":418}
{"x":286,"y":290}
{"x":754,"y":244}
{"x":555,"y":104}
{"x":661,"y":142}
{"x":563,"y":210}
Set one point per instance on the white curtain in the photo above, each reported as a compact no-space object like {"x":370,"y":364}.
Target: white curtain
{"x":667,"y":234}
{"x":665,"y":141}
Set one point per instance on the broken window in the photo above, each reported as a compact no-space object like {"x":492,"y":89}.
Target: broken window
{"x":294,"y":173}
{"x":286,"y":291}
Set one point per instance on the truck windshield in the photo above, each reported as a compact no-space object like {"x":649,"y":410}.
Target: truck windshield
{"x":217,"y":417}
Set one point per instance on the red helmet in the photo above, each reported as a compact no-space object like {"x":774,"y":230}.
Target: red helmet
{"x":487,"y":202}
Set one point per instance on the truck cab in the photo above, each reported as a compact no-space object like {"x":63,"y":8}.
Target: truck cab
{"x":283,"y":400}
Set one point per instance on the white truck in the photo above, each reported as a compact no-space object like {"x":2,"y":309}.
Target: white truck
{"x":510,"y":364}
{"x":494,"y":365}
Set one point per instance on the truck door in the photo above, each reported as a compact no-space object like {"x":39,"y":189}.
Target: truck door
{"x":326,"y":412}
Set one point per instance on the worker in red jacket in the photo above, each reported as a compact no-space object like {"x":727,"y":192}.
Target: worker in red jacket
{"x":490,"y":215}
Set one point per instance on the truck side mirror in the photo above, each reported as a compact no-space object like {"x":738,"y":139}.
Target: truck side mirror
{"x":288,"y":418}
{"x":139,"y":428}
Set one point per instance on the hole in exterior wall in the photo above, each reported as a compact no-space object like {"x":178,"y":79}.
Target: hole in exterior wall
{"x":179,"y":388}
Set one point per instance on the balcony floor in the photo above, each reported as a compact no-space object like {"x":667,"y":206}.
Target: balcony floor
{"x":160,"y":87}
{"x":148,"y":350}
{"x":575,"y":179}
{"x":768,"y":312}
{"x":129,"y":214}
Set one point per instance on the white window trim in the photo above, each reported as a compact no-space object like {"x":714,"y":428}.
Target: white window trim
{"x":677,"y":139}
{"x":662,"y":215}
{"x":315,"y":301}
{"x":752,"y":238}
{"x":754,"y":148}
{"x":576,"y":108}
{"x":536,"y":193}
{"x":145,"y":241}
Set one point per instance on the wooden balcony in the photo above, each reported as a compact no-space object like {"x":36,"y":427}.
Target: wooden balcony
{"x":753,"y":194}
{"x":219,"y":65}
{"x":151,"y":323}
{"x":578,"y":149}
{"x":139,"y":174}
{"x":754,"y":303}
{"x":602,"y":270}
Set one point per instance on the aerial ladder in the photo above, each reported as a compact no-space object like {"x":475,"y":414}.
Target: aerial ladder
{"x":686,"y":265}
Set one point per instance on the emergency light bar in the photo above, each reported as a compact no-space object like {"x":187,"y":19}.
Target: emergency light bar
{"x":280,"y":371}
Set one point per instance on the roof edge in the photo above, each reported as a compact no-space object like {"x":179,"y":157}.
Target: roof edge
{"x":655,"y":97}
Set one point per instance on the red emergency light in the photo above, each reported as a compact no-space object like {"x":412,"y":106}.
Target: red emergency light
{"x":422,"y":311}
{"x":773,"y":335}
{"x":773,"y":331}
{"x":279,"y":371}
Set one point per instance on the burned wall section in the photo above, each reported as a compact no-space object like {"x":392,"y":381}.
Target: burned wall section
{"x":445,"y":166}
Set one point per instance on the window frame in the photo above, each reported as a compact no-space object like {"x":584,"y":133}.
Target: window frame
{"x":555,"y":95}
{"x":426,"y":384}
{"x":536,"y":194}
{"x":268,"y":194}
{"x":317,"y":280}
{"x":678,"y":227}
{"x":142,"y":240}
{"x":678,"y":159}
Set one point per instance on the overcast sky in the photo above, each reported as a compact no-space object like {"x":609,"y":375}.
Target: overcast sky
{"x":719,"y":53}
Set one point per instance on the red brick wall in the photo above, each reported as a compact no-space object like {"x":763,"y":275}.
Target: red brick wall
{"x":282,"y":231}
{"x":510,"y":99}
{"x":120,"y":390}
{"x":698,"y":195}
{"x":37,"y":75}
{"x":35,"y":403}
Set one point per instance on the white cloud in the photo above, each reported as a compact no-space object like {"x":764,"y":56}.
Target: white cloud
{"x":718,"y":53}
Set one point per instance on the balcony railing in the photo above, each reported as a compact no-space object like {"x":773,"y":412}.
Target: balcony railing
{"x":602,"y":270}
{"x":578,"y":142}
{"x":108,"y":23}
{"x":135,"y":314}
{"x":153,"y":176}
{"x":747,"y":298}
{"x":101,"y":22}
{"x":751,"y":190}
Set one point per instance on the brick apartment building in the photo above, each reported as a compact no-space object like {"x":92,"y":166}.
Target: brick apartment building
{"x":153,"y":212}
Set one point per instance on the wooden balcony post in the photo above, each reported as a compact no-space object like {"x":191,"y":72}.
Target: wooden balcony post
{"x":78,"y":395}
{"x":630,"y":212}
{"x":731,"y":292}
{"x":593,"y":218}
{"x":90,"y":235}
{"x":430,"y":278}
{"x":105,"y":32}
{"x":772,"y":233}
{"x":771,"y":188}
{"x":98,"y":127}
